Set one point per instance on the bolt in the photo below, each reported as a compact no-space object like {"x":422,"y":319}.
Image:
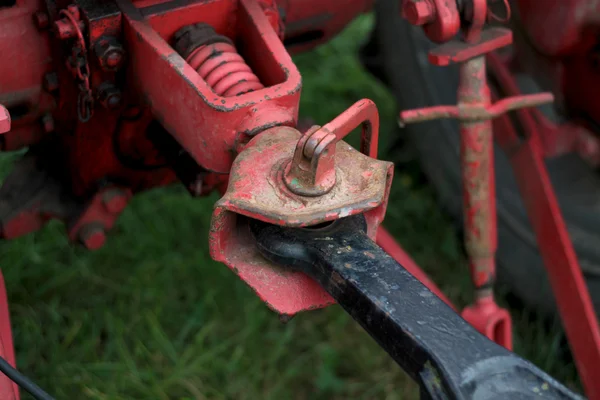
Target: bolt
{"x":418,"y":12}
{"x":51,"y":82}
{"x":41,"y":19}
{"x":92,"y":236}
{"x":110,"y":53}
{"x":115,"y":200}
{"x":4,"y":120}
{"x":48,"y":123}
{"x":109,"y":96}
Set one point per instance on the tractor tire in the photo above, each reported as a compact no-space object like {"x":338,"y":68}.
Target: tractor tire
{"x":397,"y":54}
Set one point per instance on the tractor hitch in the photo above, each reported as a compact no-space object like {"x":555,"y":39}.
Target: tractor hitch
{"x":447,"y":356}
{"x":286,"y":178}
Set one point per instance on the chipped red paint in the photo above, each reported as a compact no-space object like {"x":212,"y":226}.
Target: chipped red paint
{"x":250,"y":195}
{"x":475,"y":111}
{"x":144,"y":88}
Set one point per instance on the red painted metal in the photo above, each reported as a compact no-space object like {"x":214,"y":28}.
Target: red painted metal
{"x":568,"y":284}
{"x":559,"y":27}
{"x":559,"y":46}
{"x":475,"y":111}
{"x":101,"y":89}
{"x":224,"y":70}
{"x":8,"y":389}
{"x":440,"y":19}
{"x":362,"y":186}
{"x":99,"y":216}
{"x":393,"y":248}
{"x":4,"y":120}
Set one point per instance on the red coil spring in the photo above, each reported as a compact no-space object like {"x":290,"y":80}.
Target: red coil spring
{"x":224,"y":69}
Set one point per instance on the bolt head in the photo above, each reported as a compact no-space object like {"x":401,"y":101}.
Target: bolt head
{"x":41,"y":19}
{"x":113,"y":101}
{"x":114,"y":59}
{"x":418,"y":12}
{"x":109,"y":96}
{"x":92,"y":236}
{"x":110,"y":53}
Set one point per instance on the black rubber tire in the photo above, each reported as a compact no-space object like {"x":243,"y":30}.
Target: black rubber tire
{"x":397,"y":54}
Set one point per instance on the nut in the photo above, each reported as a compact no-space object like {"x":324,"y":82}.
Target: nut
{"x":109,"y":96}
{"x":4,"y":120}
{"x":110,"y":53}
{"x":190,"y":37}
{"x":418,"y":12}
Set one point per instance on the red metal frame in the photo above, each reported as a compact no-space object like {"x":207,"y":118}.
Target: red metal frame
{"x":8,"y":389}
{"x":568,"y":284}
{"x":124,"y":100}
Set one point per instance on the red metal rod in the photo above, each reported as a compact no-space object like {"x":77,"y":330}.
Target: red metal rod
{"x":428,"y":114}
{"x":474,"y":114}
{"x":8,"y":389}
{"x":477,"y":165}
{"x":568,"y":284}
{"x":391,"y":246}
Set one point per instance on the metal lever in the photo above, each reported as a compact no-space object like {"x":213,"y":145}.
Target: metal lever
{"x":434,"y":345}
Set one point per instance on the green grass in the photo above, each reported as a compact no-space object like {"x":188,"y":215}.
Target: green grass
{"x":151,"y":316}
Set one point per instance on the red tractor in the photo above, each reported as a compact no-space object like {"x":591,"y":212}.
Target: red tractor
{"x":115,"y":97}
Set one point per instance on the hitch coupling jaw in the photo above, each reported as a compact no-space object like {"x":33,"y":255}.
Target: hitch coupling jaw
{"x":286,"y":178}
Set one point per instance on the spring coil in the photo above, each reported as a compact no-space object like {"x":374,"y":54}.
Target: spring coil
{"x":225,"y":71}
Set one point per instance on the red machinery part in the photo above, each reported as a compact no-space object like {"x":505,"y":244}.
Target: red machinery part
{"x":439,"y":18}
{"x":8,"y":389}
{"x":568,"y":284}
{"x":362,"y":185}
{"x":559,"y":44}
{"x":559,"y":27}
{"x":475,"y":112}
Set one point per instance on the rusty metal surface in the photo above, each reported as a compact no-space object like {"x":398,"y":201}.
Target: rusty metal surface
{"x":257,"y":190}
{"x":360,"y":184}
{"x":565,"y":275}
